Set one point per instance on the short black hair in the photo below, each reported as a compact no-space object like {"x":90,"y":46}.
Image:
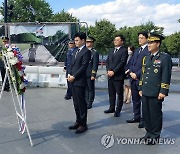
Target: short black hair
{"x":143,"y":33}
{"x":81,"y":35}
{"x":121,"y":36}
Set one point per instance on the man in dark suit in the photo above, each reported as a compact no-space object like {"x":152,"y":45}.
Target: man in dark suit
{"x":115,"y":63}
{"x":135,"y":73}
{"x":154,"y":87}
{"x":77,"y":77}
{"x":5,"y":40}
{"x":91,"y":72}
{"x":67,"y":64}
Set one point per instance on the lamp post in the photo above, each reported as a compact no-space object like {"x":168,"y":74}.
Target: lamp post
{"x":5,"y":11}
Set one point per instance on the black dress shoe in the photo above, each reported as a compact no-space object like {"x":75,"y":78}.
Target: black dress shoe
{"x":67,"y":97}
{"x":141,"y":124}
{"x":89,"y":106}
{"x":145,"y":138}
{"x":151,"y":142}
{"x":133,"y":120}
{"x":81,"y":129}
{"x":75,"y":126}
{"x":109,"y":111}
{"x":117,"y":114}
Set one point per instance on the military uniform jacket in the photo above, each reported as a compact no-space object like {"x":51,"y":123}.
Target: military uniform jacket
{"x":116,"y":62}
{"x":67,"y":62}
{"x":79,"y":65}
{"x":93,"y":64}
{"x":156,"y":75}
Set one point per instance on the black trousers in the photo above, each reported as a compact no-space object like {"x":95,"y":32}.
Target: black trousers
{"x":69,"y":89}
{"x":136,"y":98}
{"x":80,"y":105}
{"x":115,"y":87}
{"x":90,"y":91}
{"x":3,"y":73}
{"x":152,"y":114}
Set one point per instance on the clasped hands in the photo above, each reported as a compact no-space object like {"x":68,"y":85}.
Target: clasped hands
{"x":70,"y":78}
{"x":110,"y":73}
{"x":133,"y":76}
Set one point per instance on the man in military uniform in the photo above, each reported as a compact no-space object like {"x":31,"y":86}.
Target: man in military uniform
{"x":5,"y":40}
{"x":67,"y":64}
{"x":91,"y":72}
{"x":154,"y":87}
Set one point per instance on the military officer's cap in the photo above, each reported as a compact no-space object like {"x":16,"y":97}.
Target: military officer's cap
{"x":90,"y":39}
{"x":4,"y":38}
{"x":152,"y":37}
{"x":71,"y":41}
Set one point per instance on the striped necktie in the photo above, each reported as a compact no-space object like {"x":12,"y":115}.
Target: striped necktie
{"x":77,"y":52}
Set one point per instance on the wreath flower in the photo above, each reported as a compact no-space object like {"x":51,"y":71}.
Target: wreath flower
{"x":14,"y":57}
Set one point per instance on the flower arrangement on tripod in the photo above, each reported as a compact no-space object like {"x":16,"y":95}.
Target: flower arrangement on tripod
{"x":14,"y":57}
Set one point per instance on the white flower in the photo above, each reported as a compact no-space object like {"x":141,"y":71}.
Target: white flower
{"x":22,"y":85}
{"x":9,"y":49}
{"x":10,"y":54}
{"x":13,"y":61}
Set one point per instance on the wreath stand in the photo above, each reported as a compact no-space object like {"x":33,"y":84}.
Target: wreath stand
{"x":19,"y":104}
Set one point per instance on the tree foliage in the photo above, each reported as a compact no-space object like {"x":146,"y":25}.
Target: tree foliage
{"x":131,"y":33}
{"x":63,"y":17}
{"x":172,"y":43}
{"x":29,"y":11}
{"x":104,"y":32}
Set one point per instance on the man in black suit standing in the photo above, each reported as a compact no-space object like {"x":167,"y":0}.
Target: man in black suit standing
{"x":135,"y":73}
{"x":115,"y":63}
{"x":91,"y":72}
{"x":77,"y":77}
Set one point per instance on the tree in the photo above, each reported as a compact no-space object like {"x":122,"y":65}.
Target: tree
{"x":173,"y":44}
{"x":63,"y":17}
{"x":104,"y":32}
{"x":29,"y":11}
{"x":131,"y":33}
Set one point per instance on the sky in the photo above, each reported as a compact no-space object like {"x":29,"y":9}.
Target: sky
{"x":163,"y":13}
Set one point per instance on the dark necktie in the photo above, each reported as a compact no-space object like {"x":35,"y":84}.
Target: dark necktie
{"x":140,"y":49}
{"x":115,"y":50}
{"x":77,"y":53}
{"x":152,"y":56}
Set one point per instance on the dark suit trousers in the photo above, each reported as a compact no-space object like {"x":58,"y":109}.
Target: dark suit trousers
{"x":69,"y":89}
{"x":3,"y":73}
{"x":136,"y":100}
{"x":115,"y":87}
{"x":80,"y":106}
{"x":152,"y":115}
{"x":90,"y":91}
